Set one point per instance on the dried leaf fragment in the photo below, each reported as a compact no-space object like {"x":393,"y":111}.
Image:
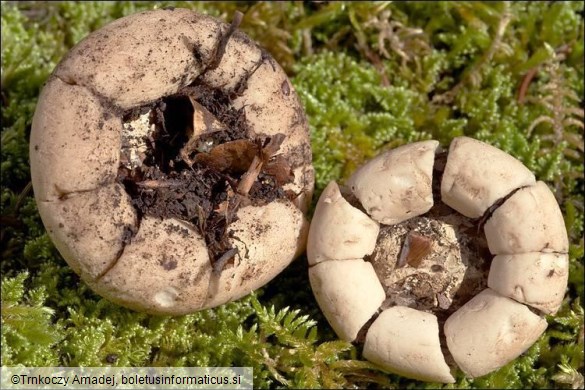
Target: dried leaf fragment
{"x":204,"y":122}
{"x":416,"y":247}
{"x":234,"y":156}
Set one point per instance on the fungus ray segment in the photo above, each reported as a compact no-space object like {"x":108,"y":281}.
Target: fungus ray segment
{"x":94,"y":230}
{"x":107,"y":103}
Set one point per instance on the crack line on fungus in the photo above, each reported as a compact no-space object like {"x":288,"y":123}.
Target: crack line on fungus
{"x":127,"y":236}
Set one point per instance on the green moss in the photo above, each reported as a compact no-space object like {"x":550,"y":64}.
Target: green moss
{"x":351,"y":114}
{"x":28,"y":336}
{"x":372,"y":76}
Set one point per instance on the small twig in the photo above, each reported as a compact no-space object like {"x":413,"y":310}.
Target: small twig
{"x":158,"y":183}
{"x":220,"y":49}
{"x":525,"y":84}
{"x":220,"y":263}
{"x":250,"y":176}
{"x":255,"y":168}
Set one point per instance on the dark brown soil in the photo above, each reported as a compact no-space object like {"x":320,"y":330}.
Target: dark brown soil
{"x":203,"y":161}
{"x":202,"y":184}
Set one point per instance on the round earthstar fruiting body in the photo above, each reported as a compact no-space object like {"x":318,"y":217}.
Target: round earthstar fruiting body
{"x":171,"y":162}
{"x":432,"y":259}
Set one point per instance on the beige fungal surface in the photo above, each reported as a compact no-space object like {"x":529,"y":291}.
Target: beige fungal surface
{"x":530,"y":221}
{"x":348,"y":292}
{"x":536,"y":279}
{"x":71,"y":125}
{"x":478,"y":174}
{"x":90,"y":241}
{"x":396,"y":185}
{"x":340,"y":231}
{"x":171,"y":162}
{"x":258,"y":235}
{"x":240,"y":59}
{"x":127,"y":61}
{"x":271,"y":107}
{"x":489,"y":331}
{"x":166,"y":265}
{"x":467,"y":277}
{"x":408,"y":341}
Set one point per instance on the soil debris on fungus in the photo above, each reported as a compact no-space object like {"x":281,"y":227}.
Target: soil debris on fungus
{"x":194,"y":167}
{"x":194,"y":158}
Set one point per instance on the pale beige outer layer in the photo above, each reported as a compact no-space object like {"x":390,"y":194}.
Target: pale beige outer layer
{"x":165,"y":269}
{"x":268,"y":110}
{"x":159,"y":266}
{"x":396,"y":185}
{"x":348,"y":292}
{"x":90,"y":228}
{"x":240,"y":58}
{"x":168,"y":266}
{"x":74,"y":145}
{"x":263,"y":235}
{"x":477,"y":175}
{"x":339,"y":231}
{"x":489,"y":331}
{"x":406,"y":341}
{"x":536,"y":279}
{"x":138,"y":58}
{"x":529,"y":221}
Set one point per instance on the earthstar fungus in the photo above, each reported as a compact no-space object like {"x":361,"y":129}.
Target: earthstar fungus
{"x":171,"y":167}
{"x":399,"y":260}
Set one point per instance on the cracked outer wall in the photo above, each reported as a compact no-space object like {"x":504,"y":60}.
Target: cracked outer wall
{"x":75,"y":146}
